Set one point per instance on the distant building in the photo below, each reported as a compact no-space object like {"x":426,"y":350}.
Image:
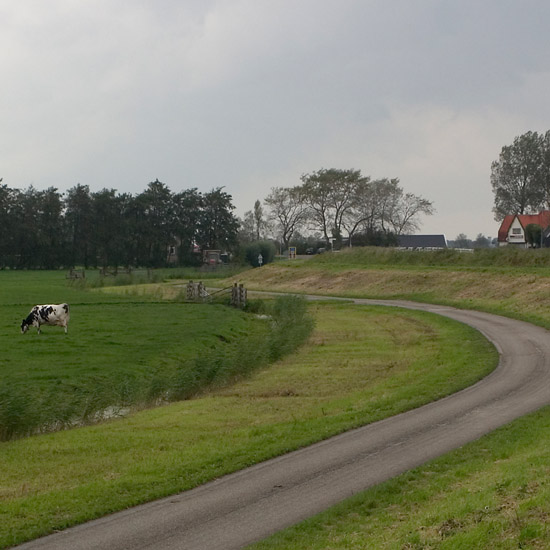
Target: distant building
{"x":512,"y":228}
{"x":422,"y":242}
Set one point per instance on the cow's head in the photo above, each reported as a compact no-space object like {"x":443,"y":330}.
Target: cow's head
{"x":25,"y":326}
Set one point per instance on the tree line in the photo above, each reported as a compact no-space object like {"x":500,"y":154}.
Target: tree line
{"x":520,"y":178}
{"x":48,"y":229}
{"x":341,"y":206}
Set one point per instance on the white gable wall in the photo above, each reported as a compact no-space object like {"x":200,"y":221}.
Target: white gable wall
{"x":516,"y":234}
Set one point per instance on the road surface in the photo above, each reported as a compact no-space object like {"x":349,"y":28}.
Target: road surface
{"x":249,"y":505}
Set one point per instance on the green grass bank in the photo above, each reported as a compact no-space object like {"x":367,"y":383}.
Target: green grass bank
{"x":514,"y":282}
{"x":360,"y":364}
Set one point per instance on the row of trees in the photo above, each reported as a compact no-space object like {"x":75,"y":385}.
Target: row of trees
{"x":520,"y":178}
{"x":46,"y":229}
{"x":338,"y":204}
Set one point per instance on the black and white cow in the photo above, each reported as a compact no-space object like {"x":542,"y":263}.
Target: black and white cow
{"x":54,"y":314}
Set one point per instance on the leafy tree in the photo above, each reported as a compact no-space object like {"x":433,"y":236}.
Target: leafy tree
{"x":329,"y":194}
{"x":259,"y":222}
{"x":111,"y":235}
{"x":187,"y":214}
{"x":481,"y":241}
{"x":27,"y":243}
{"x":80,"y":225}
{"x":462,"y":241}
{"x":217,"y":226}
{"x":247,"y":233}
{"x":533,"y":235}
{"x":9,"y":224}
{"x":371,"y":204}
{"x":517,"y":176}
{"x":544,"y":173}
{"x":155,"y":223}
{"x":50,"y":228}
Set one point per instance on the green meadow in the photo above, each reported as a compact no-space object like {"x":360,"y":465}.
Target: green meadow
{"x":360,"y":364}
{"x":120,"y":353}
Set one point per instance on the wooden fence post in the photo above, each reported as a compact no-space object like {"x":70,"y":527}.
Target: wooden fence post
{"x":190,"y":290}
{"x":235,"y":296}
{"x":242,"y":295}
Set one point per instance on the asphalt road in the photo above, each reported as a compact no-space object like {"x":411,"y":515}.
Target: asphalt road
{"x":249,"y":505}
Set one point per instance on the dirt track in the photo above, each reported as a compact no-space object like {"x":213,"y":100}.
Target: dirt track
{"x":251,"y":504}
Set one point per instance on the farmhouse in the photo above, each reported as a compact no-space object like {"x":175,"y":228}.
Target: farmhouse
{"x":422,"y":242}
{"x":513,"y":228}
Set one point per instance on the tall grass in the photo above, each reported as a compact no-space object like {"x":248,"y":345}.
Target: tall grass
{"x":289,"y":327}
{"x":483,"y":257}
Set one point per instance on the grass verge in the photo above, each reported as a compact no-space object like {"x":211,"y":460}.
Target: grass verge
{"x":493,"y":493}
{"x":361,"y":364}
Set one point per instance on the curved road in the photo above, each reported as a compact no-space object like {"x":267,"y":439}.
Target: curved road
{"x":249,"y":505}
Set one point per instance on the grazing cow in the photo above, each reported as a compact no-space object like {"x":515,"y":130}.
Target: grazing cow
{"x":55,"y":314}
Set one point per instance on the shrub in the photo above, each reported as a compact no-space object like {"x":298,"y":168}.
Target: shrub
{"x":253,"y":251}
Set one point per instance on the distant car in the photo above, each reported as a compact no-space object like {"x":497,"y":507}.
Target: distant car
{"x":310,"y":250}
{"x":321,"y":250}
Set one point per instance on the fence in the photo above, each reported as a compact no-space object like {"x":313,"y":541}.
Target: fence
{"x":197,"y":292}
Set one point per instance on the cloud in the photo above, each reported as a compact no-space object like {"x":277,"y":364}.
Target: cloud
{"x":250,"y":94}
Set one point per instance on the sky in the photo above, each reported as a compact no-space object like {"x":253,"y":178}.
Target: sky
{"x":252,"y":94}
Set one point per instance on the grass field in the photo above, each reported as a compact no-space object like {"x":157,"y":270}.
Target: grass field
{"x":493,"y":493}
{"x":120,"y":352}
{"x":361,"y":364}
{"x":116,"y":355}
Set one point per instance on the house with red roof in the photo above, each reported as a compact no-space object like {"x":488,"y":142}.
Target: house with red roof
{"x":512,"y":228}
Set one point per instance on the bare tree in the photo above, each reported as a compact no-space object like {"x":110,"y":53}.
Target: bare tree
{"x":402,"y":210}
{"x":287,"y":210}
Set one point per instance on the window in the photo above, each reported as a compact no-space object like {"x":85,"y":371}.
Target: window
{"x":516,"y":231}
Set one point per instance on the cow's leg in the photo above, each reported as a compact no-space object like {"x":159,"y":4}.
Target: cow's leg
{"x":38,"y":329}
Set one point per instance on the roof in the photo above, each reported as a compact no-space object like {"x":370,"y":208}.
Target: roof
{"x":505,"y":227}
{"x":542,"y":219}
{"x":422,"y":241}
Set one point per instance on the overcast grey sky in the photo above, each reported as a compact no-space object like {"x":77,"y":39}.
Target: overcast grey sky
{"x":251,"y":94}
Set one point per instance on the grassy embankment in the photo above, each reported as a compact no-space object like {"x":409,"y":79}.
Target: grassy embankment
{"x":494,"y":493}
{"x":361,"y":364}
{"x":507,"y":282}
{"x":121,"y":352}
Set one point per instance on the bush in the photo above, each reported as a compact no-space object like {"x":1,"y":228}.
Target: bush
{"x":265,"y":248}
